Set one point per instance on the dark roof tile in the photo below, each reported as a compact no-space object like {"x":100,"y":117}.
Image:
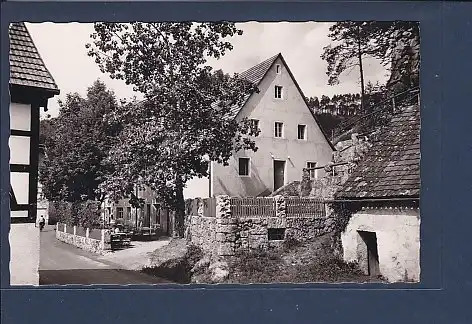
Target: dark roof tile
{"x":26,"y":66}
{"x":391,"y":168}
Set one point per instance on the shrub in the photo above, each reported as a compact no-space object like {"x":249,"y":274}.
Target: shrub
{"x":83,"y":213}
{"x":291,"y":243}
{"x":256,"y":266}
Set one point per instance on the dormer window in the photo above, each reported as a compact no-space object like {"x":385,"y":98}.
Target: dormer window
{"x":277,"y":68}
{"x":278,"y":92}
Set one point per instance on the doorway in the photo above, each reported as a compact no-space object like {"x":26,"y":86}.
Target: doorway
{"x":147,"y":216}
{"x":279,"y":174}
{"x":369,"y":255}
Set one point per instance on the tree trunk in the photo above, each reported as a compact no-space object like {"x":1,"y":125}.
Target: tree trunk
{"x":179,"y":226}
{"x":361,"y":69}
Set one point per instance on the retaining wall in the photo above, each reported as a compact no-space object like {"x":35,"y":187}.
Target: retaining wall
{"x":69,"y":235}
{"x":225,"y":235}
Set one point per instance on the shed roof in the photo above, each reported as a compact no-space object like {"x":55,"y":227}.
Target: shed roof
{"x":391,"y":168}
{"x":27,"y":69}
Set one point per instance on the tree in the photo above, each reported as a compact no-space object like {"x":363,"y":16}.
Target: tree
{"x":76,"y":143}
{"x":353,"y":44}
{"x":395,"y":44}
{"x":185,"y":120}
{"x":399,"y":46}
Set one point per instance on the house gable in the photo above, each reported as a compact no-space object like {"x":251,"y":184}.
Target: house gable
{"x":258,"y":73}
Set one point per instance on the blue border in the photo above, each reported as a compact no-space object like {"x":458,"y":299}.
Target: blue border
{"x":445,"y":169}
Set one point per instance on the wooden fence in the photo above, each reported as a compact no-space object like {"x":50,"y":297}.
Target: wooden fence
{"x":253,"y":207}
{"x":305,"y":207}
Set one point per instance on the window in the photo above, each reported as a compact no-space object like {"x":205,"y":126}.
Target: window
{"x":276,"y":234}
{"x":128,"y":213}
{"x":278,"y":129}
{"x":311,"y":165}
{"x":255,"y":124}
{"x":120,"y":212}
{"x":244,"y":167}
{"x":301,"y":132}
{"x":278,"y":92}
{"x":277,"y":68}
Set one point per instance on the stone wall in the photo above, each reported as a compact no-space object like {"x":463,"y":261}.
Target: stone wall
{"x":85,"y":243}
{"x":225,"y":235}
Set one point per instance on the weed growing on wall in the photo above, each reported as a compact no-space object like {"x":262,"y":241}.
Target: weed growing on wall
{"x":342,"y":212}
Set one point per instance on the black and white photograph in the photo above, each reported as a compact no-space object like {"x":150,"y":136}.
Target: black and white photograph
{"x":214,"y":152}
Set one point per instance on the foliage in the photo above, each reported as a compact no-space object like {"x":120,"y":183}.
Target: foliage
{"x":395,"y":44}
{"x":256,"y":266}
{"x":183,"y":123}
{"x":290,"y":243}
{"x":343,"y":212}
{"x":262,"y":266}
{"x":84,"y":213}
{"x":352,"y":44}
{"x":76,"y":143}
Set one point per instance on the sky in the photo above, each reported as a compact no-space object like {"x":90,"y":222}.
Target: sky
{"x":62,"y":48}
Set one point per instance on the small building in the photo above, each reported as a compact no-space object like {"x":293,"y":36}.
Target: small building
{"x":382,"y":195}
{"x":31,"y":85}
{"x":290,"y":137}
{"x":150,"y":214}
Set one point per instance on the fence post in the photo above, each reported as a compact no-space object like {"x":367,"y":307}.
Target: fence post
{"x":87,"y":232}
{"x":65,"y":228}
{"x":75,"y":230}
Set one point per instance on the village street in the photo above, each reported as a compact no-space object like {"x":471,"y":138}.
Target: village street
{"x":61,"y":263}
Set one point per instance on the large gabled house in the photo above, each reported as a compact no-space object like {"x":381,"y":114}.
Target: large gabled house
{"x":290,"y":137}
{"x":30,"y":85}
{"x":383,"y":192}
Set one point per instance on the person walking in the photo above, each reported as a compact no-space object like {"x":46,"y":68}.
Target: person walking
{"x":42,"y":222}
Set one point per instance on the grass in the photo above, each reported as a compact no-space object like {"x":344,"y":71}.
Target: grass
{"x":294,"y":263}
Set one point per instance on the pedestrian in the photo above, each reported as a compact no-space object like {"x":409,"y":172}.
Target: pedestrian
{"x":42,"y":222}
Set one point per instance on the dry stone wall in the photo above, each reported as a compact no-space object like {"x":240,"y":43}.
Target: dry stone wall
{"x":85,"y":243}
{"x":225,"y":235}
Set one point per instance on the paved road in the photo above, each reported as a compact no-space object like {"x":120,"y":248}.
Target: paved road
{"x":61,"y":264}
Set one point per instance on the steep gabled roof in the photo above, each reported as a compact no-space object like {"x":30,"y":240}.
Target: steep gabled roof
{"x":391,"y":168}
{"x":257,"y":73}
{"x":254,"y":75}
{"x":27,"y":69}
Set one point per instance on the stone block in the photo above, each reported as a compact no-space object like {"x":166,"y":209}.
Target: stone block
{"x":226,"y":221}
{"x":277,"y":222}
{"x":225,"y":249}
{"x":220,"y":237}
{"x":230,"y":237}
{"x":226,"y":228}
{"x":258,"y":230}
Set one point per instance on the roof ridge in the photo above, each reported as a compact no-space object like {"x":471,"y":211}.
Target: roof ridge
{"x":270,"y":59}
{"x":19,"y":53}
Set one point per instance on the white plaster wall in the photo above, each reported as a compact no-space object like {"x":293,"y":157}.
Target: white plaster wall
{"x":398,"y":241}
{"x":292,"y":111}
{"x":20,"y":116}
{"x":24,"y":254}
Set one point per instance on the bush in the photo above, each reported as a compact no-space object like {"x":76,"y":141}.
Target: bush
{"x":81,"y":213}
{"x":257,"y":266}
{"x":327,"y":270}
{"x":291,"y":243}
